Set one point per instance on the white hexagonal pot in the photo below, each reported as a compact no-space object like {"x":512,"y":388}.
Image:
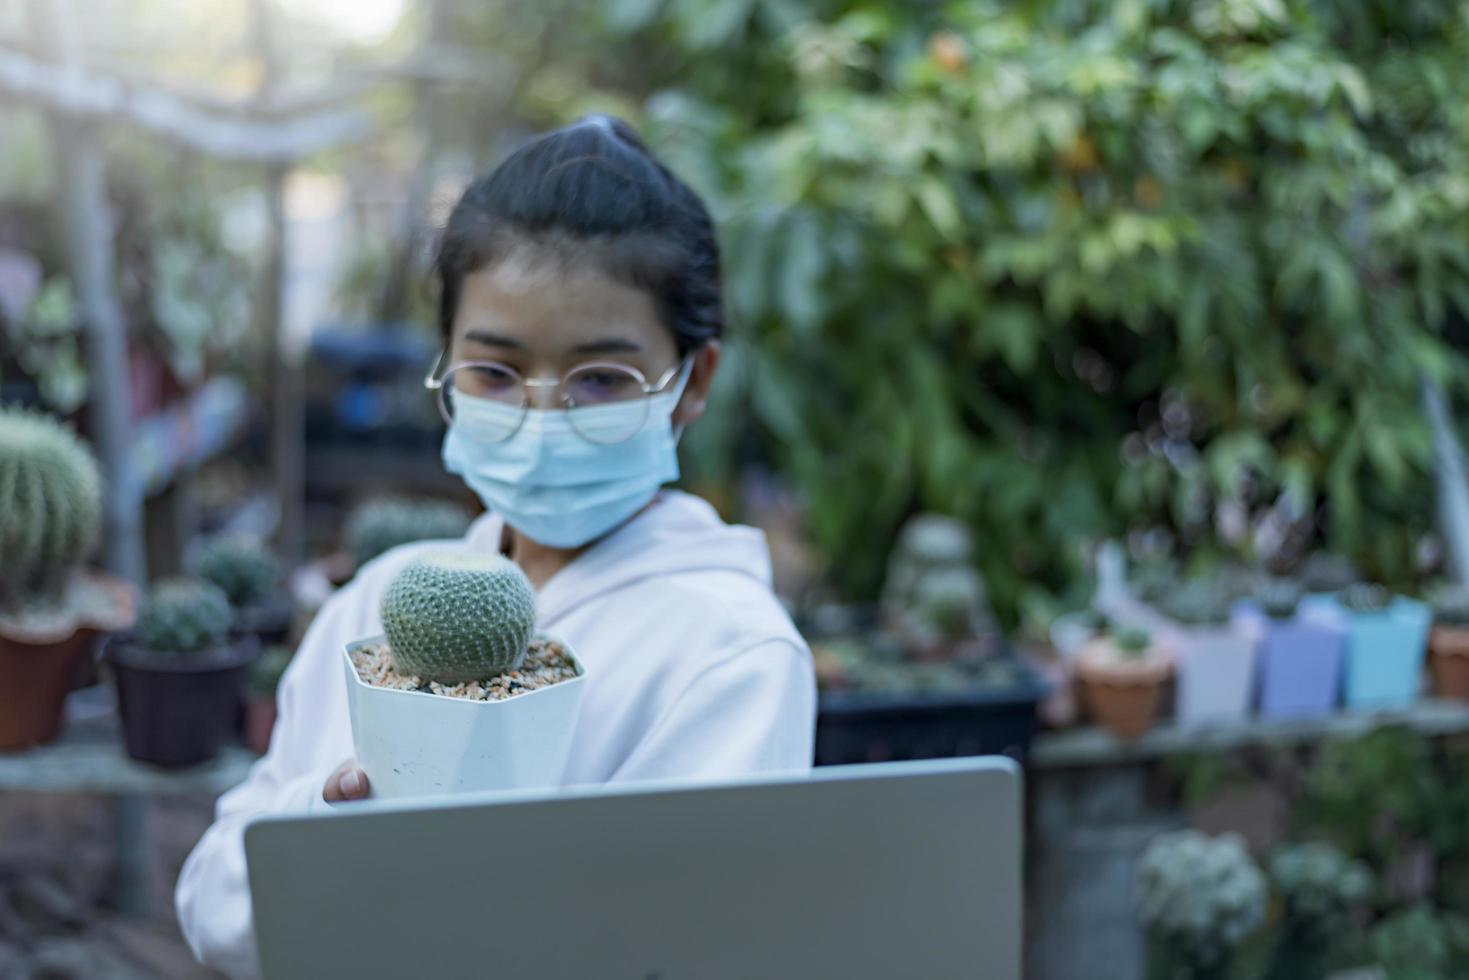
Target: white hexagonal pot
{"x":415,"y":744}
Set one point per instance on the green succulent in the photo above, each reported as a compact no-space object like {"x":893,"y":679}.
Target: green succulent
{"x":1365,"y":597}
{"x":241,"y":565}
{"x":1279,"y":597}
{"x":455,"y":617}
{"x":183,"y":616}
{"x":1322,"y":572}
{"x":52,"y":497}
{"x":1451,"y":605}
{"x":1198,"y":603}
{"x":1133,"y":641}
{"x":384,"y":523}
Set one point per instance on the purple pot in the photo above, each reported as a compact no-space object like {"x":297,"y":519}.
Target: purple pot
{"x":1300,"y":667}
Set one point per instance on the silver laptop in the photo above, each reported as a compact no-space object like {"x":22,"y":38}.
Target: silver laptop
{"x":906,"y":869}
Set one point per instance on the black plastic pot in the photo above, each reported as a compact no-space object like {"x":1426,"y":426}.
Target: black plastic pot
{"x":177,"y":710}
{"x":863,"y":726}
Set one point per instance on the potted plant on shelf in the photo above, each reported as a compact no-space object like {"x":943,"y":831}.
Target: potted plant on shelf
{"x":51,"y":610}
{"x":1448,"y":643}
{"x":1216,"y":658}
{"x":249,"y":575}
{"x":1300,"y":658}
{"x":180,"y":674}
{"x":1122,"y":676}
{"x":260,"y":689}
{"x":1386,"y":640}
{"x":458,"y":695}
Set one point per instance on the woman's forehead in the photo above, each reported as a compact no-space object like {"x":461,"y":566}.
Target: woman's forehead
{"x":548,"y":305}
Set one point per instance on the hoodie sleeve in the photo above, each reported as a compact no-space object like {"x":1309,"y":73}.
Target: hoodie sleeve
{"x":213,"y":894}
{"x":749,"y":713}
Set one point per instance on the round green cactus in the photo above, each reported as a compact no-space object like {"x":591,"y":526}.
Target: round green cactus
{"x":52,"y":497}
{"x":1198,"y":603}
{"x":184,"y":615}
{"x":456,"y":617}
{"x":383,"y":523}
{"x":1279,"y":597}
{"x":1364,"y":597}
{"x":240,"y":565}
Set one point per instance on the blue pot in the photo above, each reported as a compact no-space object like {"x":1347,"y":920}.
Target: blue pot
{"x":1300,"y":666}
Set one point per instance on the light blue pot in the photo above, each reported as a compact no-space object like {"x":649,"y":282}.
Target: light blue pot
{"x":1385,"y":650}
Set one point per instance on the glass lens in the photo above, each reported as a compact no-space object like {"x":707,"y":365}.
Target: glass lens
{"x":599,"y":384}
{"x":606,"y":402}
{"x":493,"y":383}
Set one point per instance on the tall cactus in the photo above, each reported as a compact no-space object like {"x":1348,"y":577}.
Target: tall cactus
{"x":52,"y":498}
{"x":456,"y":617}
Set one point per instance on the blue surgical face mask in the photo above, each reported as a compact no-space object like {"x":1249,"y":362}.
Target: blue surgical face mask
{"x":550,"y":482}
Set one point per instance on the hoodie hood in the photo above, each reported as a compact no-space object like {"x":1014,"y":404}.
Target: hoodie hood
{"x":677,"y":534}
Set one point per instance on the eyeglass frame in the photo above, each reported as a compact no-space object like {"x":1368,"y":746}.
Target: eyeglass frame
{"x":436,"y":384}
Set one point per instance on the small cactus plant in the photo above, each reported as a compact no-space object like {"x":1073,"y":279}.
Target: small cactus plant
{"x":183,"y":616}
{"x":1279,"y":597}
{"x":456,"y":617}
{"x":1133,"y":642}
{"x":51,"y":512}
{"x":1198,"y":603}
{"x":240,"y":565}
{"x":1324,"y":572}
{"x":383,"y":523}
{"x":1364,"y":597}
{"x":1319,"y":883}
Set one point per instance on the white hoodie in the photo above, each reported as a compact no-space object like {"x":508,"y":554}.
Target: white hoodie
{"x":693,"y":671}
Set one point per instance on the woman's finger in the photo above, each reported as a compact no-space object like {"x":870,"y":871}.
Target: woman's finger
{"x":347,"y":783}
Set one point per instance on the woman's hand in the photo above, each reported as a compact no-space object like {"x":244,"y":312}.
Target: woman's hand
{"x":345,"y":784}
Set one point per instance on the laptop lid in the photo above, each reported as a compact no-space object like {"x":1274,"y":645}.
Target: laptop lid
{"x":881,"y":871}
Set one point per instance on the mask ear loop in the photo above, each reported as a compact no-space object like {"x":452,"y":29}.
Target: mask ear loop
{"x":684,"y":374}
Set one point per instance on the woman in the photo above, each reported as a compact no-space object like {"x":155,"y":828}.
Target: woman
{"x":581,"y":314}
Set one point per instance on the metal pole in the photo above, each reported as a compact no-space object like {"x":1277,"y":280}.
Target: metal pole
{"x":81,"y":193}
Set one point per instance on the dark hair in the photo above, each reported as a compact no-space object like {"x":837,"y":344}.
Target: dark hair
{"x":595,"y":190}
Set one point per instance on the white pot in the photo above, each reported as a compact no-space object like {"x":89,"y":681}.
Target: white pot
{"x":1216,"y":674}
{"x":415,"y":744}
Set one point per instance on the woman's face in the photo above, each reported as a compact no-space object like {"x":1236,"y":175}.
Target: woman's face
{"x":543,"y":318}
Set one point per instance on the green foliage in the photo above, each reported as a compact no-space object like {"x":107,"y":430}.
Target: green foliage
{"x":1067,"y":268}
{"x":184,"y":616}
{"x":52,"y":501}
{"x":1420,"y":943}
{"x":457,"y":617}
{"x":244,"y":567}
{"x":383,"y":523}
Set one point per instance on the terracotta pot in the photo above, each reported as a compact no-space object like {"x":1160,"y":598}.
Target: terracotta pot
{"x":260,"y":716}
{"x":1122,"y":693}
{"x":36,"y":668}
{"x":1449,"y":661}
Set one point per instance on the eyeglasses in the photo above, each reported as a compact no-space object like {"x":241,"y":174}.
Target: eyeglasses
{"x":596,"y":383}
